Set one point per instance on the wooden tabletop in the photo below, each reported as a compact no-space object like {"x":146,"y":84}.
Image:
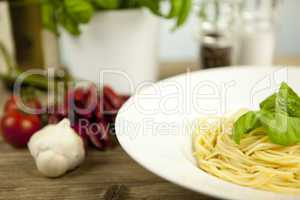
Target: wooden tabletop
{"x":109,"y":175}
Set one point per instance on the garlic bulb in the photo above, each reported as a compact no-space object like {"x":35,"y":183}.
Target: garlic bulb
{"x":56,"y":149}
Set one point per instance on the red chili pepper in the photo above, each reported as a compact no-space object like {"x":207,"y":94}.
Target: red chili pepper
{"x":115,"y":100}
{"x":105,"y":136}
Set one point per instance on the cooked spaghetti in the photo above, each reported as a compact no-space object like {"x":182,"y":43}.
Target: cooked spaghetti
{"x":255,"y":162}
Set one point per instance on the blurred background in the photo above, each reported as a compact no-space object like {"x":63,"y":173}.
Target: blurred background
{"x":183,"y":45}
{"x":148,"y":40}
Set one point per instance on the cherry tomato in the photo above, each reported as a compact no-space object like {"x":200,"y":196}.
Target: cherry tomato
{"x":11,"y":104}
{"x":17,"y":127}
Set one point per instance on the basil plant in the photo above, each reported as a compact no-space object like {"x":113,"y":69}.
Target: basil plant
{"x":70,"y":14}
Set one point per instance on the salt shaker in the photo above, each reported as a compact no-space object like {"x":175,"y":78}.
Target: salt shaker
{"x":257,"y":35}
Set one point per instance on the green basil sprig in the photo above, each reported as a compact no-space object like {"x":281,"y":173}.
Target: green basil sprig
{"x":279,"y":115}
{"x":67,"y":13}
{"x":184,"y":12}
{"x":245,"y":124}
{"x":70,"y":14}
{"x":106,"y":4}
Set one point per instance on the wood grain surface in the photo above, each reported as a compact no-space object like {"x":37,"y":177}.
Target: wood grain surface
{"x":109,"y":175}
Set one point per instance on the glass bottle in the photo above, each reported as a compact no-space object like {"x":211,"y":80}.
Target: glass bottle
{"x":217,"y":30}
{"x":257,"y":33}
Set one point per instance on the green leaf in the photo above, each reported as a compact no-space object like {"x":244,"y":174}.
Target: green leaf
{"x":279,"y":116}
{"x":49,"y":16}
{"x":245,"y":124}
{"x":72,"y":13}
{"x":106,"y":4}
{"x":80,"y":11}
{"x":287,"y":101}
{"x":281,"y":129}
{"x":269,"y":103}
{"x":68,"y":23}
{"x":175,"y":8}
{"x":184,"y":13}
{"x":129,"y":4}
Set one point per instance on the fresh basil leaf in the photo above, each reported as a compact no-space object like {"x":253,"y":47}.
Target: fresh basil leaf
{"x":68,"y":23}
{"x":281,"y":129}
{"x":245,"y":124}
{"x":279,"y":116}
{"x":49,"y":16}
{"x":106,"y":4}
{"x":184,"y":13}
{"x":128,"y":4}
{"x":175,"y":8}
{"x":287,"y":101}
{"x":269,"y":103}
{"x":77,"y":12}
{"x":80,"y":11}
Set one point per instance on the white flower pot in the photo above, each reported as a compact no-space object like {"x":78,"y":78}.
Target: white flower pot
{"x":116,"y":41}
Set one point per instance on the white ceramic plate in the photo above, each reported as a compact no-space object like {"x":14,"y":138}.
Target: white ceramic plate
{"x":154,"y":126}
